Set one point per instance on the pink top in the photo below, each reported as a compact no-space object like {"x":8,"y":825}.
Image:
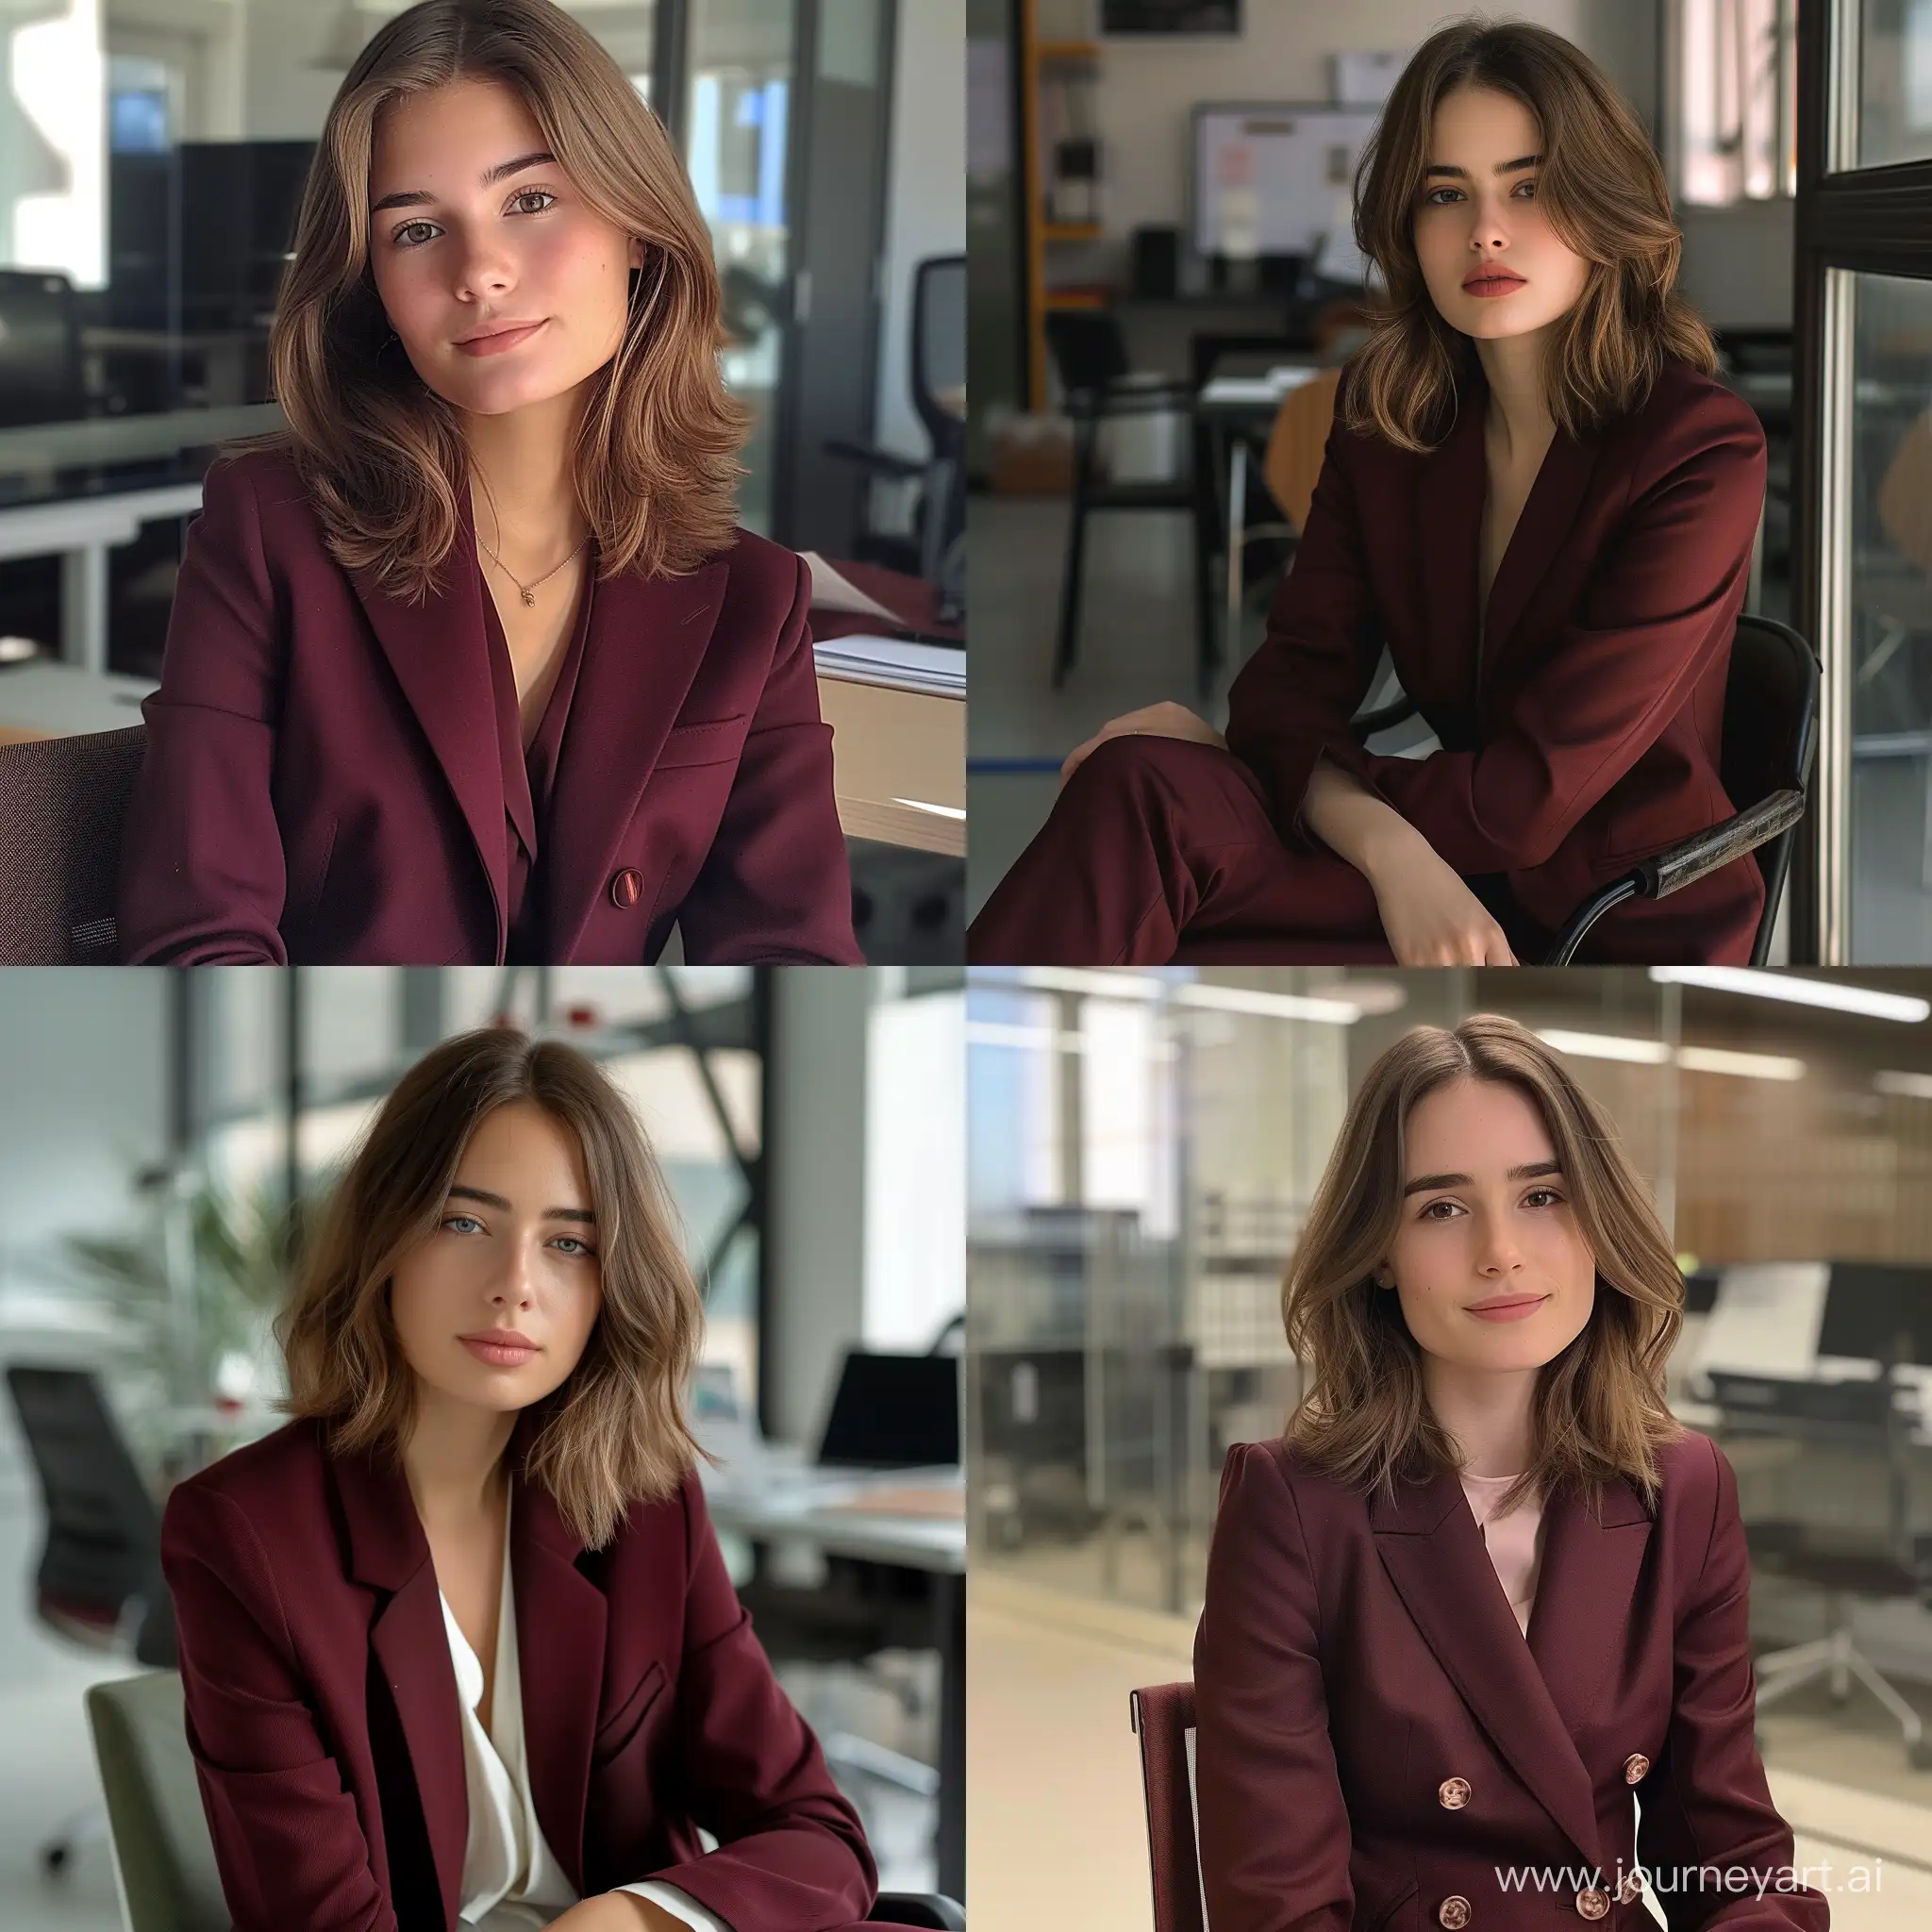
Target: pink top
{"x":1514,"y":1542}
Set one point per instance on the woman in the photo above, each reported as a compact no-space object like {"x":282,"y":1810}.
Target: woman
{"x":458,"y":1641}
{"x":469,"y":663}
{"x":1485,"y":1588}
{"x":1536,"y":494}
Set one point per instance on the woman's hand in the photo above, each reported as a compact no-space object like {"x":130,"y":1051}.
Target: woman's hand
{"x":1430,"y":917}
{"x":1152,"y":721}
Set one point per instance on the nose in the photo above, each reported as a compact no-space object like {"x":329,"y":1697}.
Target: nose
{"x":514,"y":1284}
{"x":483,"y":268}
{"x":1489,"y":230}
{"x":1499,"y":1252}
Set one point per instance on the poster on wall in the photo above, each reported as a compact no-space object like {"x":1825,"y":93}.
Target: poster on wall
{"x":1169,"y":16}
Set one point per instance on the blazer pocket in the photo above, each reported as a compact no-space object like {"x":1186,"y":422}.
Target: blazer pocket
{"x":618,"y":1730}
{"x":716,"y":741}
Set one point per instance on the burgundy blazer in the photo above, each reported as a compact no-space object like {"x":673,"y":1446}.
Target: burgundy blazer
{"x":327,"y":1737}
{"x":1593,"y":738}
{"x":322,"y":781}
{"x":1375,"y":1737}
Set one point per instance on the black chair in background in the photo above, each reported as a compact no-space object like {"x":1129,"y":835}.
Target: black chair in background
{"x":1770,"y":739}
{"x":99,"y":1580}
{"x":43,"y":372}
{"x":63,"y":801}
{"x":937,"y":548}
{"x":1843,"y":1566}
{"x":1089,"y":357}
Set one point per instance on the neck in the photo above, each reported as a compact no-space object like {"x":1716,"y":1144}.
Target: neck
{"x":523,"y":484}
{"x":1485,"y":1410}
{"x":453,"y":1456}
{"x":1520,"y":415}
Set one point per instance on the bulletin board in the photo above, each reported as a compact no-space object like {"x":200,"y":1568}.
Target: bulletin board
{"x":1289,"y":167}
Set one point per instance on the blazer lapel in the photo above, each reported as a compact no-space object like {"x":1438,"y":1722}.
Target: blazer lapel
{"x":388,"y":1551}
{"x":561,"y":1633}
{"x":1542,"y":531}
{"x":1435,"y":1555}
{"x":1449,"y":513}
{"x":438,"y":651}
{"x":646,"y":638}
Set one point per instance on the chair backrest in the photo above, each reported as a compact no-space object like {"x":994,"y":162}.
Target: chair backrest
{"x":938,"y":347}
{"x":41,"y":373}
{"x":164,"y":1858}
{"x":104,"y":1532}
{"x":1298,"y":441}
{"x":1164,"y":1715}
{"x":1090,"y":353}
{"x":62,"y":802}
{"x":1770,"y":739}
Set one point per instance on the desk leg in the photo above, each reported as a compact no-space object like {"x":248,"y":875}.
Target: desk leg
{"x":1237,"y":524}
{"x":84,"y":606}
{"x":949,"y":1633}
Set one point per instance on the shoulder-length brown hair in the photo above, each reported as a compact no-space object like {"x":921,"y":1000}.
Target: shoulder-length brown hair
{"x":614,"y":1431}
{"x":1606,"y":198}
{"x":1599,"y":1408}
{"x":381,"y":454}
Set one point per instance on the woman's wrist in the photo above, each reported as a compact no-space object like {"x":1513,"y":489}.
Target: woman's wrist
{"x":1356,"y":825}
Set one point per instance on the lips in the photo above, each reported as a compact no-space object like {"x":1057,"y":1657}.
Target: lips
{"x":1505,"y":1308}
{"x":501,"y":341}
{"x":501,"y":1348}
{"x":495,"y":329}
{"x":1492,"y":281}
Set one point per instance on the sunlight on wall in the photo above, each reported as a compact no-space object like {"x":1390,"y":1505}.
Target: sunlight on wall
{"x":59,"y":87}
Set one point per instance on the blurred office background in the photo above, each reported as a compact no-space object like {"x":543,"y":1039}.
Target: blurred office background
{"x":151,"y":161}
{"x":1143,"y":1146}
{"x":811,"y":1126}
{"x":1159,"y":216}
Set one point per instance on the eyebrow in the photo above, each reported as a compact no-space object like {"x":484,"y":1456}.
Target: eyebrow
{"x":1423,"y":1182}
{"x":1514,"y":167}
{"x":419,"y":197}
{"x":488,"y":1200}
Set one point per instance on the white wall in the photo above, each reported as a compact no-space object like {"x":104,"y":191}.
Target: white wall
{"x":925,"y":210}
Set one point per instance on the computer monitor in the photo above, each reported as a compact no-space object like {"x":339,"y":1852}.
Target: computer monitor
{"x":1870,"y":1306}
{"x":895,"y":1411}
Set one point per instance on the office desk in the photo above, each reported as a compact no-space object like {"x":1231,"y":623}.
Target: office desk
{"x":43,"y":698}
{"x":829,"y":1514}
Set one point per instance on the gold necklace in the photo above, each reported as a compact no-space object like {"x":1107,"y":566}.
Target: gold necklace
{"x":530,"y":590}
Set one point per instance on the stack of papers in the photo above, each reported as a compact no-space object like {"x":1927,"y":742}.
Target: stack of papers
{"x":938,"y":670}
{"x":1258,"y":389}
{"x":831,"y":590}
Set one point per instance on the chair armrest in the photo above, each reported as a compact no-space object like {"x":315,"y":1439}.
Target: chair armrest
{"x":1364,"y":724}
{"x":931,"y":1908}
{"x":887,"y":463}
{"x":1669,"y":872}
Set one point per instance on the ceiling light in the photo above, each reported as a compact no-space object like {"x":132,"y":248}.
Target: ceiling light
{"x":1833,"y":993}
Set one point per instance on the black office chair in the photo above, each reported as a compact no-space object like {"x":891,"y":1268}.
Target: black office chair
{"x":937,"y":549}
{"x":62,"y":801}
{"x":1091,"y":358}
{"x":1770,"y":738}
{"x":43,"y":371}
{"x":99,"y":1581}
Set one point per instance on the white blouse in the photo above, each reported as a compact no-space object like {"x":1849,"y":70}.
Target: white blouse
{"x":511,"y":1878}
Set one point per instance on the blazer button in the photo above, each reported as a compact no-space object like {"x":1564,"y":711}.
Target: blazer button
{"x":1454,"y":1912}
{"x":1636,"y":1768}
{"x":1631,"y":1887}
{"x":1454,"y":1792}
{"x":1592,"y":1903}
{"x":626,"y":887}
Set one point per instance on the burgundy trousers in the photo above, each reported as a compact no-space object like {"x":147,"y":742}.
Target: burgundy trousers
{"x":1163,"y":850}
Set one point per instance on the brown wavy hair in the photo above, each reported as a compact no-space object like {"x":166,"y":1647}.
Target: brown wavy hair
{"x":614,"y":1431}
{"x":1607,"y":199}
{"x":380,"y":453}
{"x":1599,"y":1408}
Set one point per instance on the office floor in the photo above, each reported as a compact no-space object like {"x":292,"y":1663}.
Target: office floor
{"x":1137,"y":647}
{"x":1059,"y":1834}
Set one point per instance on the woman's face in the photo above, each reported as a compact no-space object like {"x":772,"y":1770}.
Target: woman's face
{"x":1486,"y":1218}
{"x":515,"y":1249}
{"x":1494,"y":264}
{"x":459,"y":253}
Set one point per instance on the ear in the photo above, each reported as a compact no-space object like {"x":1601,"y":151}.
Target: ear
{"x":639,"y":253}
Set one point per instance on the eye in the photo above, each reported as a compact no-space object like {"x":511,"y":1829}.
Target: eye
{"x":1549,"y":1194}
{"x":449,"y":1221}
{"x":577,"y":1249}
{"x":1430,"y":196}
{"x":1527,"y":189}
{"x":1429,"y":1213}
{"x":521,"y":194}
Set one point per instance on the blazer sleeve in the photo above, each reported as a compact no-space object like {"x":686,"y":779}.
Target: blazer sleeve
{"x":289,"y":1843}
{"x":791,"y":1853}
{"x":1295,"y":696}
{"x":1705,"y":1806}
{"x":1272,"y":1825}
{"x":1652,"y":625}
{"x":776,"y":886}
{"x":203,"y":879}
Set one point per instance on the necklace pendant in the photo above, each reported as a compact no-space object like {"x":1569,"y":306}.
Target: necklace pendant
{"x":529,"y":596}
